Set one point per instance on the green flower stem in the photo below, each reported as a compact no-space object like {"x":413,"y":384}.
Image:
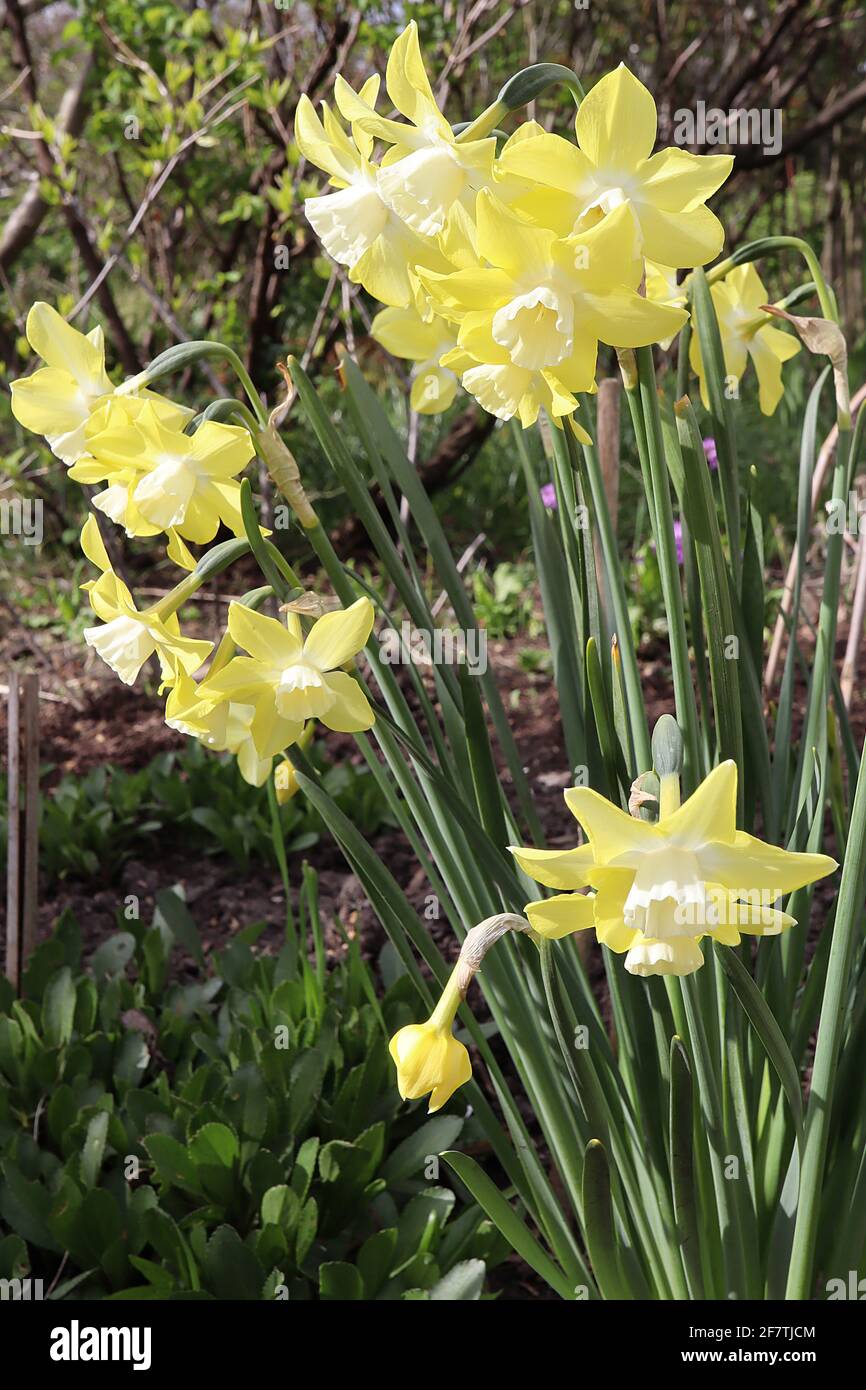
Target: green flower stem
{"x":819,"y":1112}
{"x":722,"y":414}
{"x":711,"y":1111}
{"x":815,"y":731}
{"x":619,"y":601}
{"x":176,"y":358}
{"x":684,"y":692}
{"x":753,"y":250}
{"x":600,"y":1118}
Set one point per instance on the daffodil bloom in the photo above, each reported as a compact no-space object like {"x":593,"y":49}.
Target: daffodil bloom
{"x":404,"y":333}
{"x":427,"y":172}
{"x":747,"y":332}
{"x":541,"y":305}
{"x":59,"y":399}
{"x":614,"y":165}
{"x":289,"y":679}
{"x":659,"y":887}
{"x":125,"y":637}
{"x":164,"y":480}
{"x":427,"y":1055}
{"x":355,"y":224}
{"x":224,"y":727}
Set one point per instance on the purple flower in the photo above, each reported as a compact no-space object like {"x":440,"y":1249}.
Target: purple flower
{"x":710,"y":451}
{"x":548,"y":495}
{"x":678,"y":539}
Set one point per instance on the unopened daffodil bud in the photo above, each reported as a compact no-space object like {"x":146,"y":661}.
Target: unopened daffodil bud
{"x":427,"y":1055}
{"x":286,"y":784}
{"x":285,"y":781}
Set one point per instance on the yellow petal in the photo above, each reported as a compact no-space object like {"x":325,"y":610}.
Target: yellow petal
{"x":433,"y":390}
{"x":272,"y":733}
{"x":49,"y":403}
{"x":61,"y":345}
{"x":549,"y":160}
{"x":509,"y":242}
{"x":335,"y":156}
{"x":404,"y":333}
{"x":768,"y":353}
{"x":351,"y":711}
{"x":266,"y":639}
{"x":556,"y":868}
{"x":678,"y":181}
{"x":623,"y":319}
{"x":556,"y":917}
{"x":336,"y":637}
{"x":749,"y":866}
{"x":94,"y":546}
{"x":680,"y":238}
{"x":710,"y":813}
{"x":616,"y":122}
{"x":409,"y":86}
{"x":611,"y":832}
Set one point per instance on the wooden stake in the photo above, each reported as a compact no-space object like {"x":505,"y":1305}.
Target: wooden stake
{"x":31,"y":816}
{"x":13,"y":846}
{"x":607,"y":430}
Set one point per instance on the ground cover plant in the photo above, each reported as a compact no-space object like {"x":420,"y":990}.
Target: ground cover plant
{"x":230,"y":1136}
{"x":693,"y":1138}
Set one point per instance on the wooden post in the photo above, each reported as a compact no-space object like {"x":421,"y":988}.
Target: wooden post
{"x":607,"y":429}
{"x":13,"y":845}
{"x":31,"y":817}
{"x":22,"y":862}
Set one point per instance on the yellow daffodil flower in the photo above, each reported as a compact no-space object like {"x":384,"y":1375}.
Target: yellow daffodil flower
{"x":659,"y":887}
{"x":58,"y":400}
{"x":615,"y":165}
{"x":355,"y":224}
{"x":224,"y":727}
{"x":164,"y":480}
{"x":747,"y":332}
{"x":532,"y":318}
{"x":404,"y":333}
{"x":427,"y":1055}
{"x":289,"y":680}
{"x":125,"y":637}
{"x":426,"y":172}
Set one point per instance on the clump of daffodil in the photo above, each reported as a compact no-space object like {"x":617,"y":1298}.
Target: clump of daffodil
{"x":161,"y":479}
{"x":612,"y":166}
{"x":288,"y":679}
{"x":427,"y":1055}
{"x":746,"y":331}
{"x":126,"y":637}
{"x":659,"y":887}
{"x":60,"y":399}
